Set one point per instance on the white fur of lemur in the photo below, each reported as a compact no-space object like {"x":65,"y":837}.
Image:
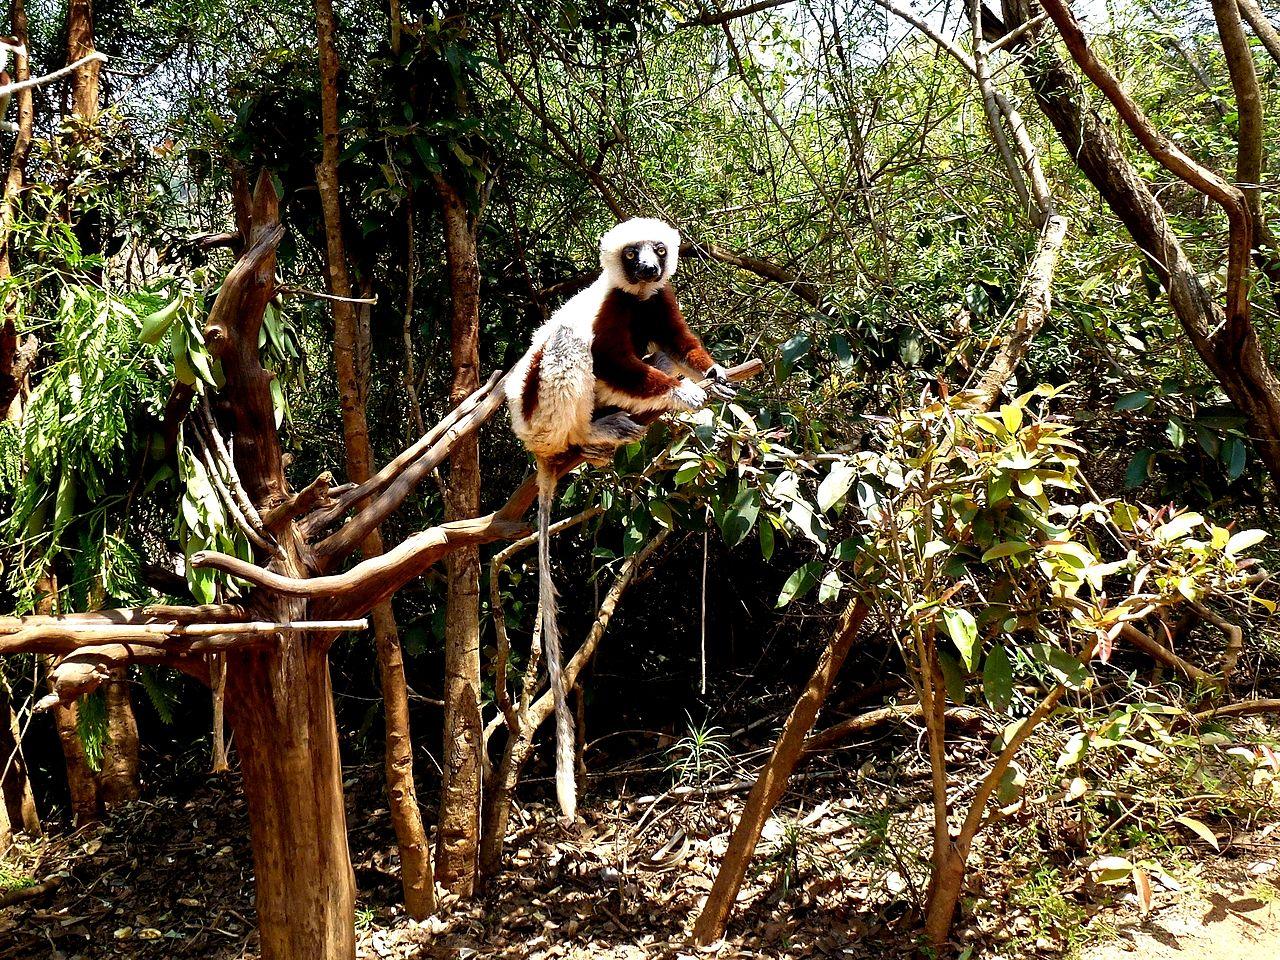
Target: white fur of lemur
{"x":591,"y":353}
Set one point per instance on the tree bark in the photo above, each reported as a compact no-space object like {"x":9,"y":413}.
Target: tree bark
{"x":281,"y":707}
{"x":218,"y":688}
{"x":460,"y":800}
{"x":81,"y":785}
{"x":279,"y":698}
{"x":772,"y":781}
{"x":1262,"y":27}
{"x":84,"y":81}
{"x":351,"y":341}
{"x":118,"y":779}
{"x":17,"y":801}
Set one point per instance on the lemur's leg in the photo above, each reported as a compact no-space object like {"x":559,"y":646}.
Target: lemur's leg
{"x":607,"y":434}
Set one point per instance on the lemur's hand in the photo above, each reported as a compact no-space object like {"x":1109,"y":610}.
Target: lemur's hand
{"x":720,"y":387}
{"x":688,"y":395}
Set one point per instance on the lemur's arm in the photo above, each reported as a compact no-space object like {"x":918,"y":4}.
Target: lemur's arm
{"x":617,"y":367}
{"x":672,"y":335}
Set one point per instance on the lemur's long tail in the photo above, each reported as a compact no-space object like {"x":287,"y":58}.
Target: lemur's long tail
{"x":566,"y":786}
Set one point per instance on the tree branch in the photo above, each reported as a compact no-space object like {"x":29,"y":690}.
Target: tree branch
{"x":1262,"y":27}
{"x":396,"y":468}
{"x":1171,"y":156}
{"x":357,"y":590}
{"x":1031,"y":316}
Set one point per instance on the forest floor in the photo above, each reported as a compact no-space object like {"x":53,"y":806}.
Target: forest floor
{"x":170,"y":877}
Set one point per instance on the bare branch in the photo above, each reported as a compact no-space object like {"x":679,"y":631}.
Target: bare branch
{"x":1244,"y":83}
{"x":402,"y":475}
{"x":356,"y":493}
{"x":1262,"y":27}
{"x":11,"y":88}
{"x":156,"y":613}
{"x":171,"y":638}
{"x":711,"y":18}
{"x":1159,"y":652}
{"x":317,"y":492}
{"x":1031,"y":317}
{"x":293,"y":291}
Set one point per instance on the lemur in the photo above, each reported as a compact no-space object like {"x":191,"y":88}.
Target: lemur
{"x":592,"y":354}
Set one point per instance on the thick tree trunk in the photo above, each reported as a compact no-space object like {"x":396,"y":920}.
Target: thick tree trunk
{"x":84,"y":81}
{"x":281,"y":707}
{"x":459,"y":825}
{"x":351,"y":341}
{"x":279,"y":699}
{"x":118,"y":779}
{"x":81,"y":784}
{"x":772,"y":781}
{"x":17,"y":801}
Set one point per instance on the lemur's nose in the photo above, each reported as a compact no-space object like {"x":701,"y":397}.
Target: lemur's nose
{"x":648,"y":271}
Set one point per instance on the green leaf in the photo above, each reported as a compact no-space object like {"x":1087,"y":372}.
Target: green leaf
{"x":835,"y":484}
{"x":1008,"y":548}
{"x":952,"y":675}
{"x":1111,"y":870}
{"x":1011,"y":414}
{"x":635,"y":532}
{"x":156,"y":325}
{"x":1233,"y":455}
{"x":662,"y":513}
{"x":1176,"y":434}
{"x":1134,"y":401}
{"x":1243,"y":541}
{"x":741,"y":516}
{"x":1012,"y":783}
{"x":1139,"y":469}
{"x":1179,"y":526}
{"x":832,"y":584}
{"x":963,"y":631}
{"x":800,"y":582}
{"x":997,"y":680}
{"x":688,"y":472}
{"x":1065,"y":668}
{"x":1073,"y":752}
{"x":766,"y":540}
{"x":790,"y":352}
{"x":849,"y":549}
{"x":65,"y":504}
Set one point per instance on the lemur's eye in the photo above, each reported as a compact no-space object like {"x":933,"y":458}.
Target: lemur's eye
{"x":629,"y":253}
{"x":660,"y":250}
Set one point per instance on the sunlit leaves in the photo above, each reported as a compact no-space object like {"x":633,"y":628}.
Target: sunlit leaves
{"x":801,"y":581}
{"x":962,"y":628}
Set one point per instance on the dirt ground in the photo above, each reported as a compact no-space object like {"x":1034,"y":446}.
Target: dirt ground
{"x":1240,"y":920}
{"x":170,"y":878}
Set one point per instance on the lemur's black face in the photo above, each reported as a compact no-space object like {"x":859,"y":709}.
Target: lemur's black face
{"x":644,"y":262}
